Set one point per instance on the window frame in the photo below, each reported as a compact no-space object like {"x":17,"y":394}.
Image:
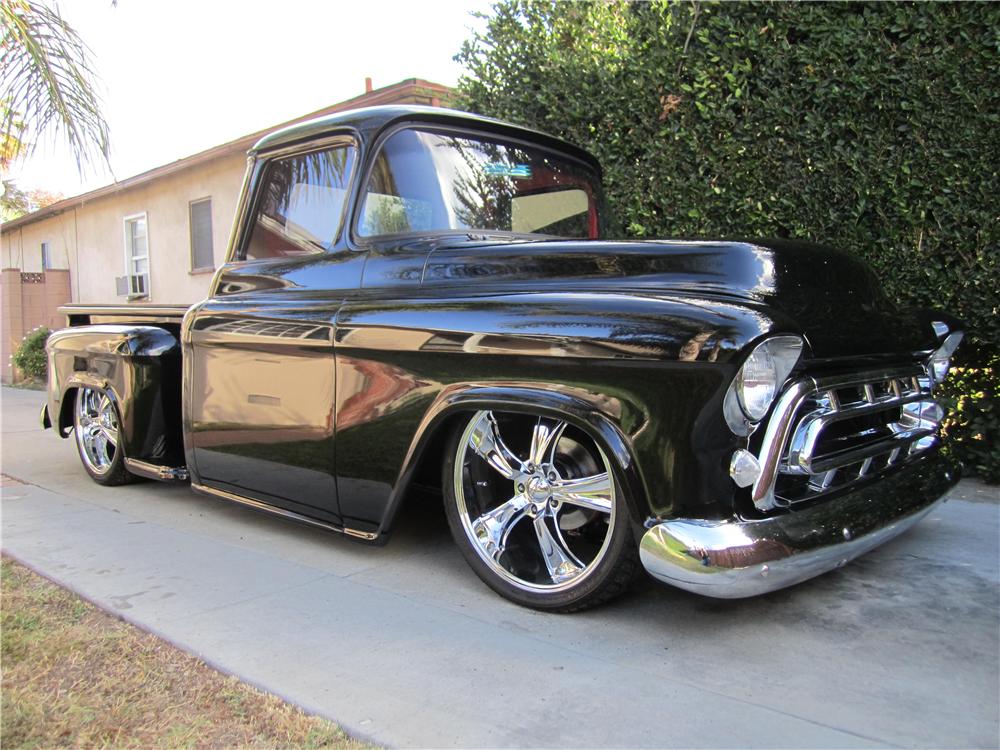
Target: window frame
{"x":257,"y":175}
{"x":193,"y":269}
{"x":46,"y":248}
{"x":362,"y":243}
{"x":129,"y":258}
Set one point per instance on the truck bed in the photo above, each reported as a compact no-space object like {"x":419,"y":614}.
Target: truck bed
{"x":87,"y":314}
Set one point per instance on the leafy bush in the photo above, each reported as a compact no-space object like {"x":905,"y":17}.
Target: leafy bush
{"x":871,"y":126}
{"x":973,"y":400}
{"x":30,"y":355}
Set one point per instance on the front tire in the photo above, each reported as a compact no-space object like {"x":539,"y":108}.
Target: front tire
{"x":96,"y":427}
{"x":534,"y":507}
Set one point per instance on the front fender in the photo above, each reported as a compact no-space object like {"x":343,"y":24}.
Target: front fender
{"x":654,"y":368}
{"x":586,"y":410}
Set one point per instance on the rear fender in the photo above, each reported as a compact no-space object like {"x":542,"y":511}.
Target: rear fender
{"x":139,"y":367}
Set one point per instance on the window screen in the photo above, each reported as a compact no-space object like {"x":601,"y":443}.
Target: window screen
{"x":302,"y":204}
{"x":201,"y":235}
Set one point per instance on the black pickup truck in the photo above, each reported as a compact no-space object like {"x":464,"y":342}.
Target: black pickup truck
{"x":420,"y":297}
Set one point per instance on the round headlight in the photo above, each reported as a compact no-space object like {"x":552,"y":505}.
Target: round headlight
{"x":757,"y":383}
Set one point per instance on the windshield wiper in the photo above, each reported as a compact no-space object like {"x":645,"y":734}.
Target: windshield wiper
{"x":486,"y":237}
{"x":458,"y":239}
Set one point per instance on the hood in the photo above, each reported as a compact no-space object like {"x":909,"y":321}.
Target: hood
{"x":826,"y":295}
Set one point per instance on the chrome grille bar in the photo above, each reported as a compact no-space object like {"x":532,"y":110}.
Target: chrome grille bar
{"x":865,"y":453}
{"x":802,"y":450}
{"x":898,"y":419}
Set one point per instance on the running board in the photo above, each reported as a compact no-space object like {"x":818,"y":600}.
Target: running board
{"x":273,"y":510}
{"x":157,"y":472}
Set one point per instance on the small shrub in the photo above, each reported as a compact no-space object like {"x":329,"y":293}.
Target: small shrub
{"x":973,"y":401}
{"x":30,"y":356}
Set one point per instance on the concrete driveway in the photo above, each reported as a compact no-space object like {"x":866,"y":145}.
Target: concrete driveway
{"x":403,"y":645}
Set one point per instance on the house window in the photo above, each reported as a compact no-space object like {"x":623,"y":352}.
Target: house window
{"x":136,"y":256}
{"x":46,"y":257}
{"x":200,"y":215}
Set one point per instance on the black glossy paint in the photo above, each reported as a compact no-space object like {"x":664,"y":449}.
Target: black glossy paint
{"x":260,"y":385}
{"x":318,"y":384}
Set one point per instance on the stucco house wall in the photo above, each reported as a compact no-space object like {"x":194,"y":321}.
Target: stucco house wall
{"x":90,"y":241}
{"x":22,"y":248}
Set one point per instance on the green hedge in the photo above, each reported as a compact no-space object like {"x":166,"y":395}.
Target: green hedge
{"x":873,"y":127}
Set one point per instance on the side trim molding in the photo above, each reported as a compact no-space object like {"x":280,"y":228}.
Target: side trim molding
{"x":258,"y":505}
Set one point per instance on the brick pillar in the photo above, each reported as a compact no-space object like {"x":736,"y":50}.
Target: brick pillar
{"x":11,"y":321}
{"x":29,"y":300}
{"x":33,"y":310}
{"x":57,"y":294}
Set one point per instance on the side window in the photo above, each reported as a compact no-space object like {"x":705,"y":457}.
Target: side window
{"x":301,"y":206}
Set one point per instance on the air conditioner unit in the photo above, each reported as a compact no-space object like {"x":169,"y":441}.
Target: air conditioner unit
{"x":136,"y":285}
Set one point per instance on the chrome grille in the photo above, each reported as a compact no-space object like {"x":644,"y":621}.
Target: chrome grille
{"x":827,"y":433}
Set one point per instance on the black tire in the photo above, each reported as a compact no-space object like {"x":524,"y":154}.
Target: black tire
{"x":504,"y":510}
{"x":96,"y":432}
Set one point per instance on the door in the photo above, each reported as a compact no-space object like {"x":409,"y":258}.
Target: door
{"x":260,"y":371}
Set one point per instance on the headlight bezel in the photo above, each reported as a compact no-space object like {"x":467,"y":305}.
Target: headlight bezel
{"x":939,"y":363}
{"x":765,"y":369}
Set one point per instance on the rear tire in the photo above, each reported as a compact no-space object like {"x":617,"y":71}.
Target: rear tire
{"x":542,"y":522}
{"x":96,"y":429}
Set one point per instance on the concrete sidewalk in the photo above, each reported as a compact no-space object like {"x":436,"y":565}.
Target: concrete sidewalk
{"x":404,"y":645}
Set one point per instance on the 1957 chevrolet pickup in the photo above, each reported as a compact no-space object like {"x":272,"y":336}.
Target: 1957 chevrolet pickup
{"x":418,"y":296}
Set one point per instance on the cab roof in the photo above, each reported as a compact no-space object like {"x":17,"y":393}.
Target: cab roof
{"x":368,"y":122}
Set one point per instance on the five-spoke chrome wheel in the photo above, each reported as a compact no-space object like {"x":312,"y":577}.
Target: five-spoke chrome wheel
{"x":96,"y":424}
{"x":536,"y":501}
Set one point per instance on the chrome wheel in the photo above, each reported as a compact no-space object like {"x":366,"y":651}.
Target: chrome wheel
{"x":96,"y":430}
{"x":536,"y":499}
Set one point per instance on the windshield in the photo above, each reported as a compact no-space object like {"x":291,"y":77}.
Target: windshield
{"x":425,"y":181}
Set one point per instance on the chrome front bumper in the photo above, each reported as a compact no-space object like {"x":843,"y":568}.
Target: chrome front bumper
{"x":732,"y":559}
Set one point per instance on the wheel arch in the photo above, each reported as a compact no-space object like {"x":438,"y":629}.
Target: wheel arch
{"x":452,"y":403}
{"x":64,"y":420}
{"x":68,"y":399}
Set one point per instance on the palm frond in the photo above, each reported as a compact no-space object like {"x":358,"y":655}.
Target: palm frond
{"x":47,"y":84}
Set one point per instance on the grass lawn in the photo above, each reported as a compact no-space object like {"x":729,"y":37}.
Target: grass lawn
{"x":74,"y":676}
